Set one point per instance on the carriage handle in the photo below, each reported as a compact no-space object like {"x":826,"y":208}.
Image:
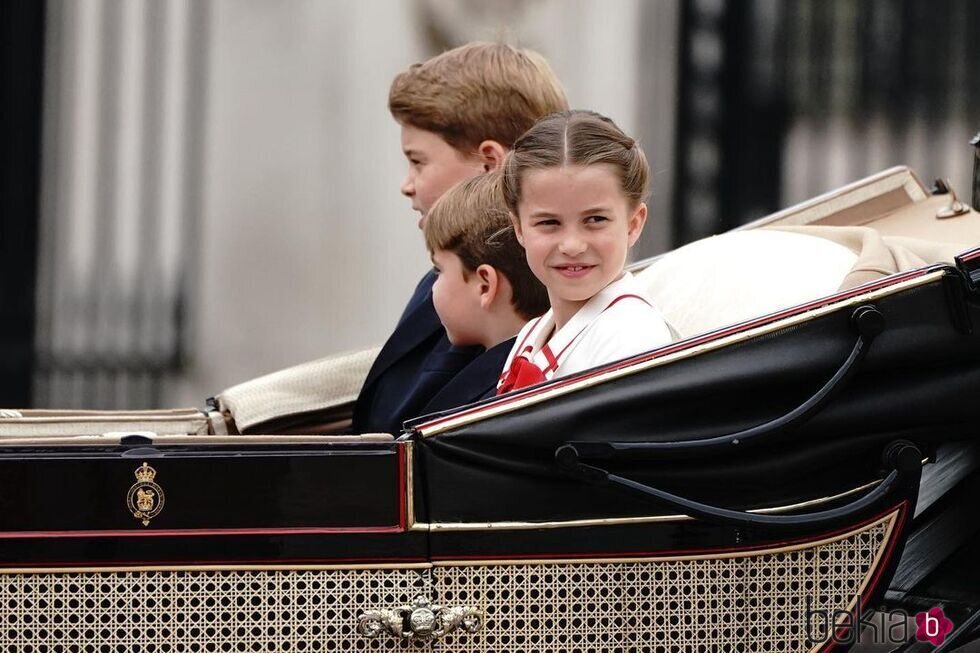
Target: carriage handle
{"x":901,"y":457}
{"x":869,"y":323}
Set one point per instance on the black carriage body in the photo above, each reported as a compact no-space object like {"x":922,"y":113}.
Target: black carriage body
{"x":259,"y":502}
{"x":344,"y":541}
{"x":917,"y":383}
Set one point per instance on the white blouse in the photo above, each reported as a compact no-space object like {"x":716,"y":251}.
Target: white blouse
{"x":616,"y":323}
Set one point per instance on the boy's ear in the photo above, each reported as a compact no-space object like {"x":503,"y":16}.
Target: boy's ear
{"x":488,"y":280}
{"x":492,"y":153}
{"x":636,"y":223}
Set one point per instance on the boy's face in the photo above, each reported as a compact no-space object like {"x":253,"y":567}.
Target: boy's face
{"x":456,"y":299}
{"x":434,"y":166}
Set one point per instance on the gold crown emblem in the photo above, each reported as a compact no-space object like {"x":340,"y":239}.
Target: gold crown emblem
{"x":145,"y":474}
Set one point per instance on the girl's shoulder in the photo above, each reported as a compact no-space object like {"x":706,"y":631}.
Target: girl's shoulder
{"x":633,"y":314}
{"x":632,"y":326}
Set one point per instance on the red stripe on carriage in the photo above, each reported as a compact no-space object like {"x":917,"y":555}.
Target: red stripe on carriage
{"x":193,"y":532}
{"x":402,"y":489}
{"x":86,"y":565}
{"x":970,"y":255}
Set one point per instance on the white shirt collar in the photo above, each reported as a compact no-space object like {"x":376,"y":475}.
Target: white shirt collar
{"x":547,"y":353}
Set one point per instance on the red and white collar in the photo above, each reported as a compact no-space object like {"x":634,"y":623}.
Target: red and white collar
{"x":546,"y":351}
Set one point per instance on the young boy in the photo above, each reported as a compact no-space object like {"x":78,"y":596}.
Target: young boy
{"x":485,"y":292}
{"x":459,"y":113}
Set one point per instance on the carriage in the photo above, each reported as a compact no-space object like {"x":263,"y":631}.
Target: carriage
{"x":796,"y":472}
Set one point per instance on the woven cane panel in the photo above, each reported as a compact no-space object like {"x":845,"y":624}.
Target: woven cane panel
{"x":745,"y":604}
{"x":202,"y":611}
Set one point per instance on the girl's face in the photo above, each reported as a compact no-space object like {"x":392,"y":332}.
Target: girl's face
{"x":576,"y":225}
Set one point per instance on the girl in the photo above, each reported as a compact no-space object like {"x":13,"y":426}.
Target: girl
{"x":575,"y":184}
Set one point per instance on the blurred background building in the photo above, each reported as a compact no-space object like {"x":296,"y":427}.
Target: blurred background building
{"x":196,"y":192}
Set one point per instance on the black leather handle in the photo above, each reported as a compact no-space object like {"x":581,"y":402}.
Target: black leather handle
{"x":902,"y":458}
{"x":869,"y":323}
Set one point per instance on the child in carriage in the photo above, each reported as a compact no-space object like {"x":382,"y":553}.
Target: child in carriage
{"x":459,"y":113}
{"x":484,"y":292}
{"x":575,"y":185}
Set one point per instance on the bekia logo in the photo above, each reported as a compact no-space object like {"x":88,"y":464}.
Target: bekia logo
{"x":872,"y":627}
{"x":932,"y":626}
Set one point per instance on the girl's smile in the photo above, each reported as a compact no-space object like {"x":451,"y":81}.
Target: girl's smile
{"x":574,"y":271}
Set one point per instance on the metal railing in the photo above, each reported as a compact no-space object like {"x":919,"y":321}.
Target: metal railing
{"x":783,"y":101}
{"x":120,"y":193}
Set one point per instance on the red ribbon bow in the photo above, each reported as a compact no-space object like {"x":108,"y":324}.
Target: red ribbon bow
{"x":520,"y":374}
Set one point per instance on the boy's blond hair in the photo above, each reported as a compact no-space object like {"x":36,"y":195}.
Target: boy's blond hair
{"x":477,"y":92}
{"x":471,"y":221}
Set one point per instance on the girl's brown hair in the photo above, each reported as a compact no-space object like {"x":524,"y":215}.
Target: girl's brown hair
{"x":576,"y":138}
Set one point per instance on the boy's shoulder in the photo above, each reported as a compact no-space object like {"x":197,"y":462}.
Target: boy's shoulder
{"x":477,"y":380}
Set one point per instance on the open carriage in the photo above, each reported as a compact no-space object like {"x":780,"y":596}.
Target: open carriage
{"x":805,"y":452}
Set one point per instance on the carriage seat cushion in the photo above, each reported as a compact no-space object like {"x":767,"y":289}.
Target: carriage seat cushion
{"x":739,"y":275}
{"x":38,"y":423}
{"x":316,"y":385}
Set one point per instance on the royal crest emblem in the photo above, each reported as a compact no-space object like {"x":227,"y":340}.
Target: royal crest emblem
{"x":145,"y":497}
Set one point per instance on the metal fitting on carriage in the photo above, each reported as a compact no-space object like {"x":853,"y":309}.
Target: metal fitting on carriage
{"x":421,"y":621}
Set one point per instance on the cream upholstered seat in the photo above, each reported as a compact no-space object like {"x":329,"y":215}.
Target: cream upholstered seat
{"x":320,"y":389}
{"x":84,"y":423}
{"x":317,"y":394}
{"x":736,"y":276}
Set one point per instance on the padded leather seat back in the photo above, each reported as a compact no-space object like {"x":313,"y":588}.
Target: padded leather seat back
{"x":740,"y":275}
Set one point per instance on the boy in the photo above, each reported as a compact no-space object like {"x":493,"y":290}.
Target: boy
{"x":459,"y":112}
{"x":485,"y":292}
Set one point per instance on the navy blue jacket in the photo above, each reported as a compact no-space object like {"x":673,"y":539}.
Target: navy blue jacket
{"x":478,"y":380}
{"x":418,"y":371}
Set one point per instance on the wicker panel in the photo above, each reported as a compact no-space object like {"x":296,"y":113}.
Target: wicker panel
{"x":178,"y":611}
{"x":740,"y":603}
{"x":743,"y":604}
